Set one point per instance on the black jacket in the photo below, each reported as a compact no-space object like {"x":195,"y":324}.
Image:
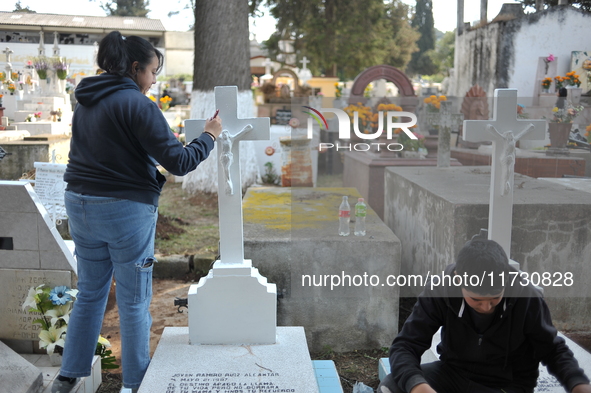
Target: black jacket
{"x":506,"y":354}
{"x":117,"y":135}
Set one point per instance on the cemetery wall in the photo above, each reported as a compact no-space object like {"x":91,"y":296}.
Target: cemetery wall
{"x":25,"y":154}
{"x":179,"y":52}
{"x":475,"y":60}
{"x":504,"y":54}
{"x":434,"y":212}
{"x":559,"y":30}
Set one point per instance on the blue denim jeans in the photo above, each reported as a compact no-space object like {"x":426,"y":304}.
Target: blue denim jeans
{"x":112,"y":237}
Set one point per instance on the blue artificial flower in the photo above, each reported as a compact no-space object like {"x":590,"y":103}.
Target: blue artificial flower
{"x":59,"y":295}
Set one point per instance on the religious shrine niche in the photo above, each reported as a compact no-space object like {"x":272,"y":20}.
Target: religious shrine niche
{"x":474,"y":107}
{"x":286,"y":81}
{"x":407,"y":99}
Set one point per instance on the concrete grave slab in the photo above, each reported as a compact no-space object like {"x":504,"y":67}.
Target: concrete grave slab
{"x":435,"y":211}
{"x":16,"y":374}
{"x":571,"y":183}
{"x":178,"y":366}
{"x":333,"y":286}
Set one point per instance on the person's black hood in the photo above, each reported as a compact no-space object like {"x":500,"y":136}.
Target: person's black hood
{"x":93,"y":89}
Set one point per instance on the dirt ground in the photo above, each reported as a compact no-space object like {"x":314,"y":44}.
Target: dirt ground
{"x":188,"y":225}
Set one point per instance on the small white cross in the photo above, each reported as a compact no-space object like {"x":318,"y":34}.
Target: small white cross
{"x":305,"y":62}
{"x":504,"y":130}
{"x":8,"y":52}
{"x":230,"y":204}
{"x":267,"y":63}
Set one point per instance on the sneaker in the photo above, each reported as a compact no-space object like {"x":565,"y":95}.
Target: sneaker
{"x":63,"y":386}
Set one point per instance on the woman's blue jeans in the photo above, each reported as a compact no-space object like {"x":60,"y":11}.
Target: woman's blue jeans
{"x":112,"y":237}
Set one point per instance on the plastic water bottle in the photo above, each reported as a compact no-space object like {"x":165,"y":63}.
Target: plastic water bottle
{"x":344,"y":217}
{"x":360,"y":213}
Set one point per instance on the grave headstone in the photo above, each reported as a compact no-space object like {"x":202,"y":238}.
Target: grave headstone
{"x":446,"y":122}
{"x":214,"y":308}
{"x":50,"y":188}
{"x":233,"y":309}
{"x":32,"y":252}
{"x":504,"y":130}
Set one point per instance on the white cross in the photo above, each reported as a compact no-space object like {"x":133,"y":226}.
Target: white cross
{"x":267,"y":63}
{"x":446,"y":122}
{"x":8,"y":52}
{"x":504,"y":130}
{"x":305,"y":62}
{"x":230,"y":204}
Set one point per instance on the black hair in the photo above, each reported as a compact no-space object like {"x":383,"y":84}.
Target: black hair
{"x":117,"y":54}
{"x":480,"y":256}
{"x":562,"y":92}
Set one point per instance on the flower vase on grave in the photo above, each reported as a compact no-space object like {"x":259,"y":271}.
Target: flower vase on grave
{"x":574,"y":94}
{"x":559,"y":133}
{"x":43,"y":85}
{"x":61,"y":86}
{"x":55,"y":359}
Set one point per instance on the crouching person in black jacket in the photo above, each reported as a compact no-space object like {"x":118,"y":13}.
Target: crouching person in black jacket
{"x":493,"y":336}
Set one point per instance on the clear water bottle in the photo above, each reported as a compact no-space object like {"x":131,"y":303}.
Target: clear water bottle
{"x":360,"y":213}
{"x":344,"y":217}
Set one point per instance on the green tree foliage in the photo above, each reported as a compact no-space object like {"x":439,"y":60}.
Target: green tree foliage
{"x":584,"y":5}
{"x":422,"y":61}
{"x":19,"y":8}
{"x":343,"y":37}
{"x":444,"y":52}
{"x":126,"y":8}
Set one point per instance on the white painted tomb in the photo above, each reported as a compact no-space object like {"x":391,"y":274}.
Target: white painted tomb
{"x":232,"y":343}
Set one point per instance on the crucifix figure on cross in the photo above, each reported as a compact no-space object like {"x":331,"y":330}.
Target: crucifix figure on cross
{"x":504,"y":130}
{"x":8,"y":52}
{"x":228,"y":155}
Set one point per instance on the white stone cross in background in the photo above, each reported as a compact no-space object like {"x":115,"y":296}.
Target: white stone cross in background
{"x":229,"y":183}
{"x":304,"y":62}
{"x":267,"y":63}
{"x":446,"y":122}
{"x":504,"y":130}
{"x":8,"y":52}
